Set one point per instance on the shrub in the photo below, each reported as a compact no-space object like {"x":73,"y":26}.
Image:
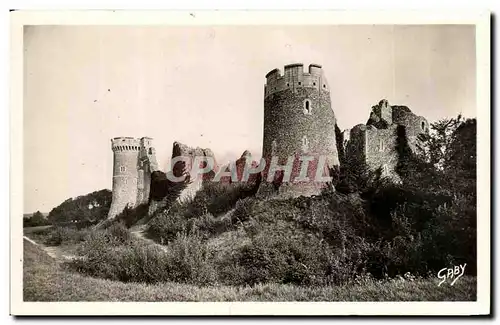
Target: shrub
{"x":36,"y":220}
{"x":65,"y":235}
{"x":165,"y":227}
{"x":108,"y":256}
{"x":119,"y":233}
{"x":190,"y":260}
{"x":243,"y":210}
{"x":107,"y":259}
{"x":200,"y":213}
{"x":208,"y":226}
{"x":130,"y":216}
{"x":217,"y":198}
{"x":285,"y":256}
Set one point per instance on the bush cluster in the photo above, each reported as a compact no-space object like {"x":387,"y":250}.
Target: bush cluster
{"x":201,"y":214}
{"x":326,"y":240}
{"x":65,"y":235}
{"x":111,"y":253}
{"x":130,"y":216}
{"x":89,"y":209}
{"x":36,"y":220}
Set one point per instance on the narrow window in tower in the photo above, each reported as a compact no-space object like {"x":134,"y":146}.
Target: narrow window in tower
{"x":307,"y":107}
{"x":150,"y":151}
{"x":300,"y":83}
{"x":122,"y":169}
{"x":305,"y":144}
{"x":381,"y":145}
{"x":423,"y":126}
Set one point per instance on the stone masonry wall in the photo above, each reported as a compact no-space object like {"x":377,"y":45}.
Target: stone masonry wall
{"x":133,"y":162}
{"x":299,"y":120}
{"x":125,"y":174}
{"x":376,"y":143}
{"x":381,"y":150}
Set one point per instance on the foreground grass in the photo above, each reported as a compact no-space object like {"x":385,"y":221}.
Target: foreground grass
{"x":47,"y":280}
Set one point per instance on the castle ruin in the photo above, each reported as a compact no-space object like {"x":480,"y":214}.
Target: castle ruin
{"x":298,"y":122}
{"x":133,"y":162}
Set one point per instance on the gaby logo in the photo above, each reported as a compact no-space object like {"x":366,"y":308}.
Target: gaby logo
{"x":453,"y":273}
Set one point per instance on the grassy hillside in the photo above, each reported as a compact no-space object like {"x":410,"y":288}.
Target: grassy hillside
{"x":45,"y":279}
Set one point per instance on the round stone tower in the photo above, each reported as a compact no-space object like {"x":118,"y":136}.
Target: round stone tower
{"x":125,"y":173}
{"x":298,"y":122}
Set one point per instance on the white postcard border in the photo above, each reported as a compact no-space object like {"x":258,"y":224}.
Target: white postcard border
{"x":480,"y":19}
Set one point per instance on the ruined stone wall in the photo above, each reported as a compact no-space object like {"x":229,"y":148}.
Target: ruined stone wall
{"x":355,"y":146}
{"x":381,"y":115}
{"x":298,"y":120}
{"x":381,"y":150}
{"x":186,"y":166}
{"x":415,"y":126}
{"x":375,"y":144}
{"x":147,"y":165}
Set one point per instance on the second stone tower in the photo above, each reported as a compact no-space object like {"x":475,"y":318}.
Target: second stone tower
{"x":299,"y":125}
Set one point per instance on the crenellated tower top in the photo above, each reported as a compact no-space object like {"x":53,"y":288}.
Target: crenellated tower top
{"x":295,"y":78}
{"x":125,"y":144}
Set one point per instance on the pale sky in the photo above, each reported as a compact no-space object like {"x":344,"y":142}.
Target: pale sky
{"x":204,"y":86}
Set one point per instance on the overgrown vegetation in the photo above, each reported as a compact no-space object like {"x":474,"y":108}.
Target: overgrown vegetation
{"x":36,"y":220}
{"x":84,"y":210}
{"x":64,"y":235}
{"x":202,"y":214}
{"x":46,"y":280}
{"x":369,"y":227}
{"x":130,"y":216}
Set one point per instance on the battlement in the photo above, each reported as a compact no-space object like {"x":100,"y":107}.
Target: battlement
{"x":125,"y":144}
{"x":294,"y":78}
{"x":146,"y":141}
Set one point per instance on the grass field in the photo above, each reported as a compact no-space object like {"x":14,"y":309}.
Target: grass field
{"x":46,"y":279}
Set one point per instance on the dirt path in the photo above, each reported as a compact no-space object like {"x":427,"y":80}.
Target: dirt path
{"x":55,"y":252}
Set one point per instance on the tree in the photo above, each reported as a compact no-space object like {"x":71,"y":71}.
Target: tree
{"x":440,"y":139}
{"x":91,"y":208}
{"x":37,"y":219}
{"x":461,"y":151}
